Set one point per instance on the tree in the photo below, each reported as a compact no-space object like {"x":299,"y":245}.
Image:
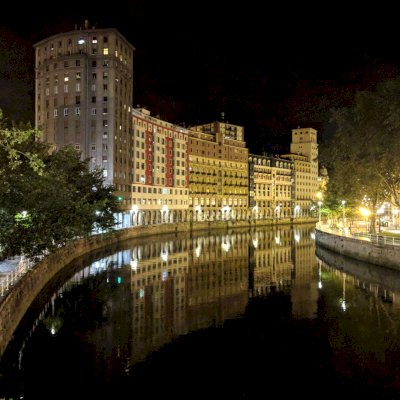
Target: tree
{"x":362,"y":155}
{"x":48,"y":199}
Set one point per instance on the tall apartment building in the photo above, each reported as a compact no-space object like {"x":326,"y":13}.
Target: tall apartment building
{"x":270,"y":187}
{"x":218,"y":179}
{"x":304,"y":154}
{"x":160,"y":165}
{"x":83,"y":97}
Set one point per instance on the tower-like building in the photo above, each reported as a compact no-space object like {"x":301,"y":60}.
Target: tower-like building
{"x":83,"y":97}
{"x":304,"y":154}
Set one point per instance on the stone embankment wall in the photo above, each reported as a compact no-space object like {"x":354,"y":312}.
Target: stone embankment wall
{"x":17,"y":301}
{"x":384,"y":255}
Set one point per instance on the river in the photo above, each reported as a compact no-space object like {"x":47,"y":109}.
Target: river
{"x":238,"y":314}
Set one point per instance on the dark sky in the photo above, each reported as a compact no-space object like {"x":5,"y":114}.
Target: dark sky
{"x":268,"y":67}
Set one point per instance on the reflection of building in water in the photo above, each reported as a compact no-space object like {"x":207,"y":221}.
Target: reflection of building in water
{"x":271,"y":261}
{"x":217,"y":284}
{"x":158,"y":280}
{"x":285,"y":259}
{"x":305,"y":284}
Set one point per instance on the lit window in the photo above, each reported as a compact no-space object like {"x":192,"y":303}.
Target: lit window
{"x":77,"y":111}
{"x":81,"y":41}
{"x":65,"y":112}
{"x":105,"y":51}
{"x":55,"y":112}
{"x":93,"y":111}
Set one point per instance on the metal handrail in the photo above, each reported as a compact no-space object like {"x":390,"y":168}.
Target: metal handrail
{"x":383,"y":239}
{"x":12,"y":277}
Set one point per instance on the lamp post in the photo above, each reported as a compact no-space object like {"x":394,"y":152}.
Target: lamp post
{"x":344,"y":212}
{"x":319,"y":211}
{"x":395,"y":212}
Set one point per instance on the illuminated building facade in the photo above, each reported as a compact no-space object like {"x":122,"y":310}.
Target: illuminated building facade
{"x":304,"y":154}
{"x":83,"y":96}
{"x":160,"y":184}
{"x":270,"y":187}
{"x":218,"y":178}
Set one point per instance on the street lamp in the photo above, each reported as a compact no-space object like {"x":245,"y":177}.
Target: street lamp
{"x":365,"y":213}
{"x":319,"y":211}
{"x":395,"y":214}
{"x":344,"y":212}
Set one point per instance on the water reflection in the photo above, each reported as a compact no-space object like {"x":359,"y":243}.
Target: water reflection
{"x":256,"y":308}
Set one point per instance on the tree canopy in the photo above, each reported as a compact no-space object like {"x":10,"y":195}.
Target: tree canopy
{"x":47,"y":198}
{"x":362,"y":156}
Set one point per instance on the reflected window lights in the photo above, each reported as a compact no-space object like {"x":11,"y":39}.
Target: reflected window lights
{"x":296,"y":237}
{"x":164,"y":275}
{"x":134,"y":265}
{"x":277,"y":240}
{"x":141,"y":293}
{"x":198,"y":251}
{"x":225,"y":245}
{"x":319,"y":274}
{"x":342,"y":300}
{"x":164,"y":255}
{"x":255,"y":243}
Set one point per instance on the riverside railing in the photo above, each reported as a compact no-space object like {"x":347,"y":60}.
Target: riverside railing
{"x":381,"y":239}
{"x":9,"y":278}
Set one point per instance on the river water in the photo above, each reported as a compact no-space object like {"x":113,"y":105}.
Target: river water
{"x":238,"y":314}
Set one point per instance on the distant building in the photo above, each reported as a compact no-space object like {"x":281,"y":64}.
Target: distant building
{"x":270,"y":187}
{"x":304,"y":154}
{"x":83,"y":96}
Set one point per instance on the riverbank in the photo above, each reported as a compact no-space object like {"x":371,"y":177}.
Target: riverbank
{"x":377,"y":250}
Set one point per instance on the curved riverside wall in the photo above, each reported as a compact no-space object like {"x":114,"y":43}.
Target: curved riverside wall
{"x":16,"y":302}
{"x":384,"y":255}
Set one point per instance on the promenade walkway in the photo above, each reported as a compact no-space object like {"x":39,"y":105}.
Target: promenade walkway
{"x":382,"y":250}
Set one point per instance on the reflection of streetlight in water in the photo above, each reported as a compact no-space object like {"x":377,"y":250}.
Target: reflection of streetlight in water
{"x":343,"y":298}
{"x":319,"y":275}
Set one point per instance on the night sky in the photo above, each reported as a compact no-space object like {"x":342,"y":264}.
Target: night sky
{"x":268,"y":67}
